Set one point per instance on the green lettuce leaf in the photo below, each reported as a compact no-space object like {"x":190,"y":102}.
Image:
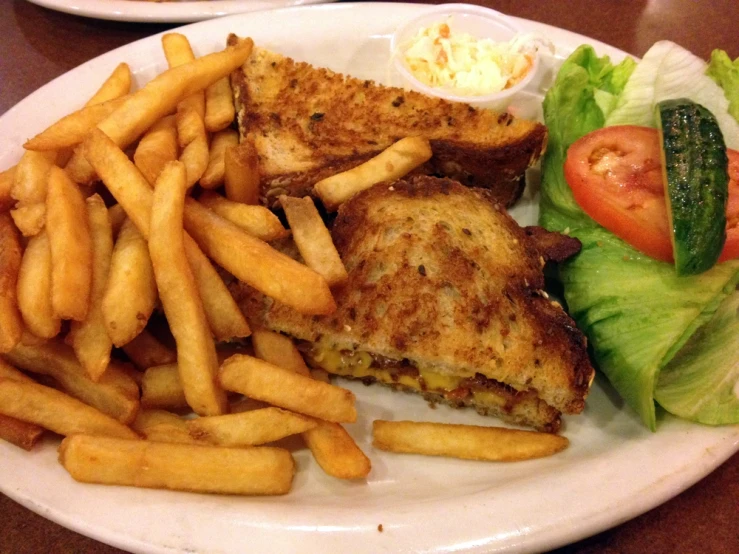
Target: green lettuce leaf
{"x":701,"y":382}
{"x":726,"y":74}
{"x":635,"y":311}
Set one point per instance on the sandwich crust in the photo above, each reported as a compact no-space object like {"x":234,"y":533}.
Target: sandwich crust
{"x":440,"y":275}
{"x":309,"y":123}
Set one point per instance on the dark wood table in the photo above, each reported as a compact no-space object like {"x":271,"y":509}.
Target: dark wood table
{"x":37,"y":45}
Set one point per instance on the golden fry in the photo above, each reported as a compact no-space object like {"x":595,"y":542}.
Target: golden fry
{"x":132,"y":191}
{"x":178,"y":52}
{"x":313,"y":239}
{"x":29,"y":218}
{"x":287,"y":389}
{"x":225,"y":319}
{"x":159,"y":98}
{"x":393,"y":163}
{"x":196,"y":353}
{"x":7,"y":179}
{"x":258,"y":221}
{"x":260,"y":470}
{"x":278,"y":350}
{"x":190,"y":112}
{"x":146,"y":351}
{"x":115,"y":393}
{"x":336,"y":452}
{"x":72,"y":129}
{"x":117,"y":216}
{"x":32,"y":176}
{"x":11,"y":325}
{"x":56,"y":411}
{"x":130,"y":293}
{"x":194,"y":154}
{"x":241,"y":173}
{"x":7,"y":371}
{"x":219,"y":105}
{"x":163,"y":426}
{"x":115,"y":86}
{"x":156,"y":148}
{"x":34,"y":289}
{"x":89,"y":338}
{"x":71,"y":247}
{"x":161,"y":387}
{"x":470,"y":442}
{"x":249,"y":428}
{"x":214,"y":173}
{"x":19,"y":433}
{"x":258,"y":264}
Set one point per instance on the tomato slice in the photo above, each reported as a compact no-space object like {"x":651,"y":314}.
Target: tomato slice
{"x":615,"y":174}
{"x":731,"y":247}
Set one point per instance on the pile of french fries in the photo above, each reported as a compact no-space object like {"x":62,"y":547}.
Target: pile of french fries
{"x":110,"y":218}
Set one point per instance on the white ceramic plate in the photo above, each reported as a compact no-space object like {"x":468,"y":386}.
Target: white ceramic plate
{"x":169,"y":11}
{"x":614,"y":469}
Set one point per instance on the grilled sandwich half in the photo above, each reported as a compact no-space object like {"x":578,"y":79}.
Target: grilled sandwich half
{"x":445,"y":299}
{"x":308,"y":123}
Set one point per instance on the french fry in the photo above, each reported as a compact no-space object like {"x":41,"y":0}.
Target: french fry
{"x":11,"y":325}
{"x":258,"y":264}
{"x":56,"y":411}
{"x":285,"y":388}
{"x":70,"y":130}
{"x":130,"y":293}
{"x":313,"y":239}
{"x":336,"y":452}
{"x":115,"y":86}
{"x":391,"y":164}
{"x":133,"y":192}
{"x":196,"y":353}
{"x":71,"y":247}
{"x":194,"y":154}
{"x":214,"y":173}
{"x":34,"y":289}
{"x":19,"y":433}
{"x":157,"y":147}
{"x":7,"y":371}
{"x":159,"y":98}
{"x":115,"y":393}
{"x":146,"y":351}
{"x":225,"y":319}
{"x":241,"y":173}
{"x":89,"y":338}
{"x":29,"y":339}
{"x":249,"y":428}
{"x":244,"y":404}
{"x":117,"y":216}
{"x":255,"y":220}
{"x":470,"y":442}
{"x":7,"y":179}
{"x":163,"y":426}
{"x":178,"y":52}
{"x":31,"y":176}
{"x":255,"y":471}
{"x":29,"y":218}
{"x":278,"y":350}
{"x":219,"y":105}
{"x":161,"y":388}
{"x":190,"y":112}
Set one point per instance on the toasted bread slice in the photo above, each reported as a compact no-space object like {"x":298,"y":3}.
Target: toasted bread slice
{"x":444,"y":297}
{"x":309,"y":123}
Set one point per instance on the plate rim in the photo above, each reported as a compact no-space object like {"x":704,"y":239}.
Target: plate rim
{"x":178,"y":11}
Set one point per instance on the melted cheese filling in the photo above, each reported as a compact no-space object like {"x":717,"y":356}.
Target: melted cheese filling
{"x":359,"y":365}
